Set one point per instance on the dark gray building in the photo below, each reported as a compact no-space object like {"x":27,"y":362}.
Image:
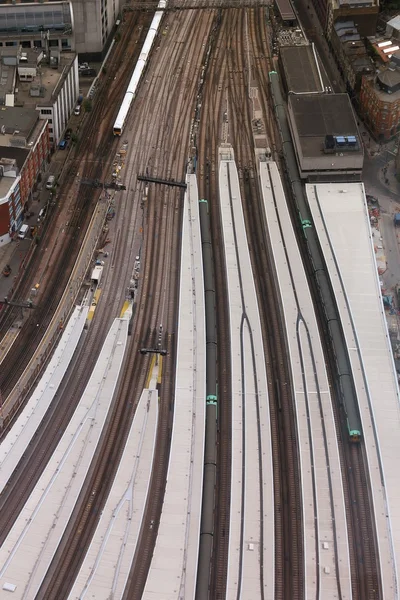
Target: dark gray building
{"x":327,"y":141}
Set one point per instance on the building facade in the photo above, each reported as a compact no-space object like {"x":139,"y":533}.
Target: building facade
{"x":380,"y":103}
{"x":23,"y":157}
{"x":59,"y":101}
{"x":11,"y":210}
{"x":363,"y":12}
{"x":94,"y":22}
{"x":41,"y":25}
{"x":83,"y":26}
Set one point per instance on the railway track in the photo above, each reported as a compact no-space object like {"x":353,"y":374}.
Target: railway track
{"x":75,"y":542}
{"x":213,"y":107}
{"x":58,"y":269}
{"x":365,"y":572}
{"x":48,"y":435}
{"x":289,"y":565}
{"x":227,"y":108}
{"x":157,"y":304}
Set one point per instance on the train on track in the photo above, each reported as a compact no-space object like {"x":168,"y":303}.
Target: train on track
{"x":138,"y":71}
{"x":210,"y":448}
{"x":343,"y":365}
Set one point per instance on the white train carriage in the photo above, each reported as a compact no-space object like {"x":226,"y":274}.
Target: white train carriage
{"x":138,"y":71}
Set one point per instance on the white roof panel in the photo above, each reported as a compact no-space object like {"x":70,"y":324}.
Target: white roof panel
{"x":341,"y":219}
{"x":250,"y":414}
{"x":174,"y":562}
{"x":322,"y":491}
{"x":101,"y":575}
{"x":28,"y":550}
{"x":15,"y":443}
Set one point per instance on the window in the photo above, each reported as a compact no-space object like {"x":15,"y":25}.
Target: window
{"x":46,"y":111}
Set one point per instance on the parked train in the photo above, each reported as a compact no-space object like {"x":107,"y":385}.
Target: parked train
{"x":345,"y":378}
{"x":210,"y":448}
{"x":138,"y":71}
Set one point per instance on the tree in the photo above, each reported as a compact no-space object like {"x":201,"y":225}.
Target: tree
{"x":87,"y":105}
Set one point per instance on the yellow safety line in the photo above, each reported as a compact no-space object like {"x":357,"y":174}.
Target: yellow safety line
{"x":93,"y":308}
{"x":124,"y":308}
{"x":160,"y":361}
{"x":148,"y":378}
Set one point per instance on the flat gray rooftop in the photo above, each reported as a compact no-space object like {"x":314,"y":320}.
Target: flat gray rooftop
{"x":316,"y":116}
{"x":15,"y":118}
{"x":300,"y":69}
{"x":47,"y":81}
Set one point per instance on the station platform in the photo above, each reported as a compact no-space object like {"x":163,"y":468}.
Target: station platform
{"x":105,"y":569}
{"x":28,"y":550}
{"x":173,"y":569}
{"x":326,"y":551}
{"x":20,"y":435}
{"x":341,"y":219}
{"x":251,"y":570}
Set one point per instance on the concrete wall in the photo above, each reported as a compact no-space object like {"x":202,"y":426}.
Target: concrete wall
{"x":93,"y":23}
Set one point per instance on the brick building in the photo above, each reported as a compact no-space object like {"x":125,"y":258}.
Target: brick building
{"x":350,"y":54}
{"x":380,"y":102}
{"x":24,"y":152}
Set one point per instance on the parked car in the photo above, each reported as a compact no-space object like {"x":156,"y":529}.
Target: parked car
{"x":23,"y":231}
{"x":88,"y":72}
{"x":77,"y":110}
{"x":68,"y":134}
{"x":63,"y":144}
{"x":42,"y":214}
{"x":50,"y":182}
{"x":83,"y":66}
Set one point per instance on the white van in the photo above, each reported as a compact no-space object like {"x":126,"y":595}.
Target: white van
{"x":50,"y":182}
{"x":42,"y":214}
{"x":23,"y":231}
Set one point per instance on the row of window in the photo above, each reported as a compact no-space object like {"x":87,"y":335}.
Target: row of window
{"x":65,"y":44}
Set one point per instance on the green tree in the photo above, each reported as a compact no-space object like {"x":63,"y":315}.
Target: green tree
{"x":87,"y":105}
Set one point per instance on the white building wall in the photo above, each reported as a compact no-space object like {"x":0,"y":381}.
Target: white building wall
{"x":6,"y":238}
{"x":63,"y":106}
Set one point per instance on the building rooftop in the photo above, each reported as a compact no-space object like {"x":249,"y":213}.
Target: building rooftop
{"x":347,"y":31}
{"x":390,"y":78}
{"x":285,"y":10}
{"x":384,"y":47}
{"x":317,"y":116}
{"x":17,"y":119}
{"x":300,"y":67}
{"x":379,"y":93}
{"x":358,"y":57}
{"x":43,"y":87}
{"x":6,"y":183}
{"x":394,"y":23}
{"x":18,"y":154}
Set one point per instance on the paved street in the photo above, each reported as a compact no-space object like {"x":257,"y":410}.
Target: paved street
{"x":389,"y":201}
